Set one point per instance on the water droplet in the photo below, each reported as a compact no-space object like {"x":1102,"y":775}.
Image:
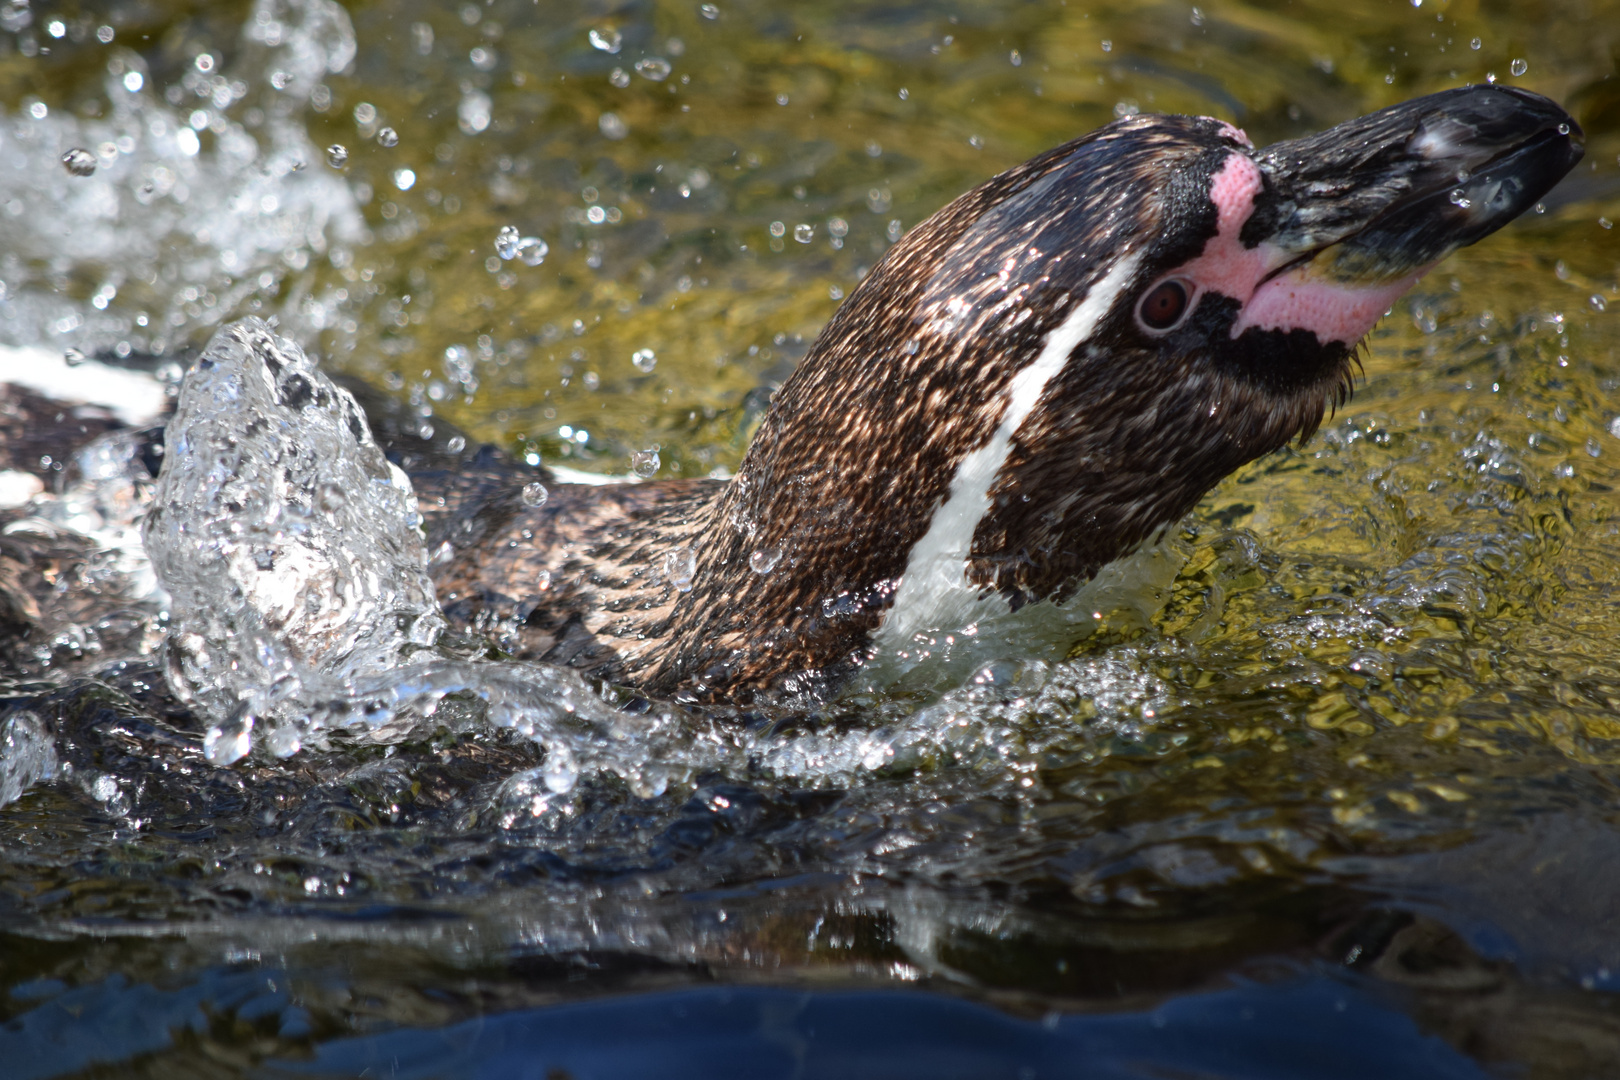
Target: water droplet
{"x":804,"y":233}
{"x":1598,"y":303}
{"x":230,"y":741}
{"x":1460,"y":199}
{"x":560,"y":771}
{"x":532,"y":250}
{"x":388,"y":137}
{"x":645,"y":463}
{"x":655,"y":68}
{"x":73,"y":357}
{"x":1475,"y":44}
{"x":680,"y":566}
{"x":506,"y":242}
{"x":332,"y":498}
{"x":709,"y":11}
{"x":79,"y":162}
{"x":337,"y":155}
{"x":534,"y":493}
{"x":606,"y":39}
{"x":1518,"y":67}
{"x":765,"y":559}
{"x":473,"y":113}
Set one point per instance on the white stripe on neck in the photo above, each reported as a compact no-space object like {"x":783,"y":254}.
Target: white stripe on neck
{"x":934,"y":594}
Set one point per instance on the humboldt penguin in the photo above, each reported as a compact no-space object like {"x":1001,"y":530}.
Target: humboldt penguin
{"x":1032,"y":383}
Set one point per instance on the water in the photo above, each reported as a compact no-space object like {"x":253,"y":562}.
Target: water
{"x":1354,"y":742}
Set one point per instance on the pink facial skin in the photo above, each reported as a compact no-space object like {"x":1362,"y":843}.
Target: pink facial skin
{"x":1294,"y":300}
{"x":1333,"y":312}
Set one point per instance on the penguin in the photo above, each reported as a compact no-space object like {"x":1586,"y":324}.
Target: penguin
{"x":1033,"y":383}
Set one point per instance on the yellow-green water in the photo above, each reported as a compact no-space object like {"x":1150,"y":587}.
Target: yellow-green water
{"x":1375,"y":732}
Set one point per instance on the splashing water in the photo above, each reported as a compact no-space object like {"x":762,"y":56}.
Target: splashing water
{"x":301,"y":602}
{"x":181,"y":233}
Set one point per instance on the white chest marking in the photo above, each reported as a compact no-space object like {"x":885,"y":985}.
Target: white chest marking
{"x":934,"y":594}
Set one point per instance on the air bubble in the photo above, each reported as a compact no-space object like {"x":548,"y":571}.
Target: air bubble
{"x":644,"y":360}
{"x":388,"y":137}
{"x":73,"y":357}
{"x":1475,"y":44}
{"x":804,"y":233}
{"x":337,"y":155}
{"x":1598,"y":303}
{"x":1519,"y":67}
{"x":709,"y":11}
{"x":606,"y":39}
{"x":765,"y":559}
{"x":1458,"y":198}
{"x":534,"y":493}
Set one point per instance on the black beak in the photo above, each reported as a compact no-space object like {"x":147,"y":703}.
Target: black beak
{"x":1387,"y":195}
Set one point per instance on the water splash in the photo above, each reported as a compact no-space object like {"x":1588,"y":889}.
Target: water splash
{"x":301,"y":605}
{"x":186,"y":234}
{"x":27,"y":755}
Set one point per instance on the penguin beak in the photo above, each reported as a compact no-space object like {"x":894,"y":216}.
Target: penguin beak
{"x":1380,"y":199}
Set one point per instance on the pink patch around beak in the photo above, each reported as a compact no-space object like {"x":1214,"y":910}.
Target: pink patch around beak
{"x":1295,"y":299}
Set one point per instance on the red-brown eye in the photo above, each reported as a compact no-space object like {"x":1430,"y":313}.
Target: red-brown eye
{"x":1164,"y":305}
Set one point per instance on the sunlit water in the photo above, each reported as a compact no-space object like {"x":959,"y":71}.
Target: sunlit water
{"x":1355,"y":720}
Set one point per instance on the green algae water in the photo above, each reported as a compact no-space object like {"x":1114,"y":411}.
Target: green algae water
{"x":1343,"y":800}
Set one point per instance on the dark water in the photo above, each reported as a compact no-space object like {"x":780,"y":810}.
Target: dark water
{"x":1341,"y":802}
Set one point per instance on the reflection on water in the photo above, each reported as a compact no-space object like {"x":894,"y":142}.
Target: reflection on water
{"x":1368,"y":727}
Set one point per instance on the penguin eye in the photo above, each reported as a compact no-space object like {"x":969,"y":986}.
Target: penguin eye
{"x":1164,"y":305}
